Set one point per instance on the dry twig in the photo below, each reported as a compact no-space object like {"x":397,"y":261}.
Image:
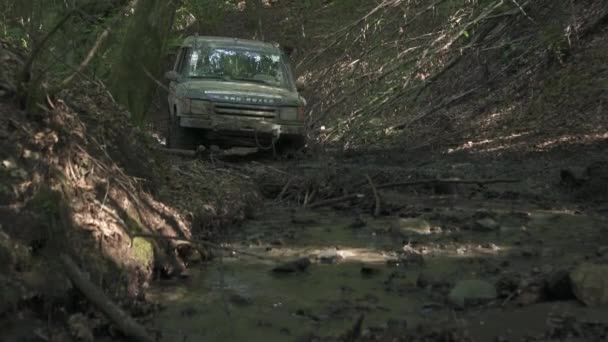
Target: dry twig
{"x":478,"y":182}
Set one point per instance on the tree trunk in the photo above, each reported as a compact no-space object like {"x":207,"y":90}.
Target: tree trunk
{"x":141,"y":54}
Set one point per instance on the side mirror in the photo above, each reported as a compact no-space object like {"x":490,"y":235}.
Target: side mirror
{"x":300,"y":85}
{"x":172,"y":76}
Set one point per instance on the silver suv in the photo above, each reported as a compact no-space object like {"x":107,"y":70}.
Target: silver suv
{"x":234,"y":92}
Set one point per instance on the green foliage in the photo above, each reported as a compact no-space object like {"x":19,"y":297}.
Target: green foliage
{"x":138,"y":58}
{"x":143,"y":251}
{"x":205,"y":12}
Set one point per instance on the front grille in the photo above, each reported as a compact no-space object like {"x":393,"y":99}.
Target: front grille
{"x":245,"y":110}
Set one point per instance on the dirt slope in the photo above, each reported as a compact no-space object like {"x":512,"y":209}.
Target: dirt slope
{"x":77,"y":178}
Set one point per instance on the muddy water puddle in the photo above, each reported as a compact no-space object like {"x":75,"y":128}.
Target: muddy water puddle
{"x":360,"y":266}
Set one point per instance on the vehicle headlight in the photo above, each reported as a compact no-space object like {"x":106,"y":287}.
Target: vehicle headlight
{"x":292,"y":114}
{"x":200,"y":107}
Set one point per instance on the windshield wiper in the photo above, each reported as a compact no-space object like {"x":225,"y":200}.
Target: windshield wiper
{"x":254,"y":80}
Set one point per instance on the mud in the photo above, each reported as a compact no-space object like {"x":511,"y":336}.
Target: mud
{"x":397,"y":269}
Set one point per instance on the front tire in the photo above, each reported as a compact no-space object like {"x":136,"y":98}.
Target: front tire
{"x":179,"y":137}
{"x":290,"y":147}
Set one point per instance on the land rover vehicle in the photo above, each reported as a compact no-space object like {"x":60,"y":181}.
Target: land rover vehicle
{"x":233,"y":92}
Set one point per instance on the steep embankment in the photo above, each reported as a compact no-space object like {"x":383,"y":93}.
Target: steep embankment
{"x":77,"y":178}
{"x":495,"y":76}
{"x":500,"y":75}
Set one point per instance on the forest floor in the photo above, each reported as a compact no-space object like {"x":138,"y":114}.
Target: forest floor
{"x":499,"y":236}
{"x":494,"y":253}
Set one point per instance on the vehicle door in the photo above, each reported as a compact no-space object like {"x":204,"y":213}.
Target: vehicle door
{"x":178,"y":69}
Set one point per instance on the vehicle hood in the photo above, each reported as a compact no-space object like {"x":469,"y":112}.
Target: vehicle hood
{"x":238,"y":92}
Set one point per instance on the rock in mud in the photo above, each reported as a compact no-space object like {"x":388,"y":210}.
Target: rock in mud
{"x":590,"y":284}
{"x":470,"y":292}
{"x":298,"y":265}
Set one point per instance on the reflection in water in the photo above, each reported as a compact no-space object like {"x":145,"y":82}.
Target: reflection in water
{"x":242,"y":300}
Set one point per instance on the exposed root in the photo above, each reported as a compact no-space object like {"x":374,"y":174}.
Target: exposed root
{"x":124,"y":322}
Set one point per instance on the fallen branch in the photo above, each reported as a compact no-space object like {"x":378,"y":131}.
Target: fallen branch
{"x":284,"y":190}
{"x":376,"y":196}
{"x":124,"y":322}
{"x":331,"y":201}
{"x":179,"y":152}
{"x":90,"y":55}
{"x":448,"y":181}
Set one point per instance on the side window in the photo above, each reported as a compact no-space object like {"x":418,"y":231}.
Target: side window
{"x":286,"y":65}
{"x":178,"y":59}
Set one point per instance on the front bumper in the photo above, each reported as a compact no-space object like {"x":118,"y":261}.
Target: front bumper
{"x":243,"y":125}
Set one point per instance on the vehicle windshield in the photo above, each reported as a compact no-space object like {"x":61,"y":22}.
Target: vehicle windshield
{"x":237,"y":65}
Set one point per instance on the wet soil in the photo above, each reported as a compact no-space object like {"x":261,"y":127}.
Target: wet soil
{"x":397,"y":269}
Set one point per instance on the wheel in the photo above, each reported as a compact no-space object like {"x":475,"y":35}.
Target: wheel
{"x":179,"y":137}
{"x":291,"y":146}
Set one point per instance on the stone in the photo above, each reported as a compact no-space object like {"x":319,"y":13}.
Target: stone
{"x":590,"y":284}
{"x":472,"y":291}
{"x":486,"y":225}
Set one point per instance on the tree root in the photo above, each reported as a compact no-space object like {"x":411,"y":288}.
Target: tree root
{"x":124,"y":322}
